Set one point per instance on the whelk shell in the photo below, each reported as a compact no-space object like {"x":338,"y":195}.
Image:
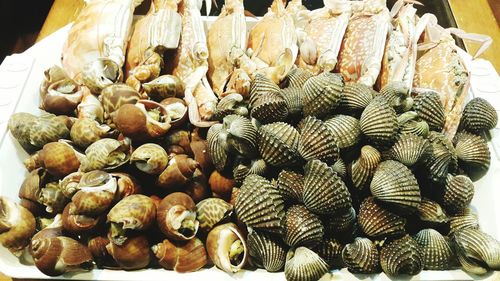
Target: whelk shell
{"x":473,"y":154}
{"x":100,"y":73}
{"x":86,"y":131}
{"x":376,"y":221}
{"x":57,"y":255}
{"x":324,"y":191}
{"x":393,"y":183}
{"x":477,"y":251}
{"x":176,"y":217}
{"x":150,"y":158}
{"x":478,"y":116}
{"x":278,"y":144}
{"x":181,"y":256}
{"x":114,"y":96}
{"x":133,"y":254}
{"x":302,"y":228}
{"x":401,"y":256}
{"x":379,"y":122}
{"x":322,"y":94}
{"x":163,"y":87}
{"x":316,"y":141}
{"x":212,"y":211}
{"x":303,"y":264}
{"x":361,"y":256}
{"x":106,"y":154}
{"x":437,"y":253}
{"x":259,"y":205}
{"x":17,"y":226}
{"x":345,"y":129}
{"x":227,"y":248}
{"x":267,"y":250}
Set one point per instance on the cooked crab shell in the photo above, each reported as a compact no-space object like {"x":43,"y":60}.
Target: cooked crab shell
{"x":150,"y":158}
{"x":227,"y":248}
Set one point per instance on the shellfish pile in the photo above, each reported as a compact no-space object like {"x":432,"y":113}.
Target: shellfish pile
{"x":290,"y":164}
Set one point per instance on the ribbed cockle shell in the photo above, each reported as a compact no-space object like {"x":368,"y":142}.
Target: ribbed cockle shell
{"x":267,"y":250}
{"x":410,"y":149}
{"x":241,"y":135}
{"x":322,"y":94}
{"x":356,"y":97}
{"x":458,"y":193}
{"x":473,"y":154}
{"x":379,"y":123}
{"x":478,"y":116}
{"x":393,"y":183}
{"x":442,"y":158}
{"x":437,"y":253}
{"x":278,"y":144}
{"x":376,"y":221}
{"x":259,"y":205}
{"x":401,"y":256}
{"x":290,"y":185}
{"x":302,"y":228}
{"x":477,"y":251}
{"x":303,"y":264}
{"x":345,"y":129}
{"x":361,"y":256}
{"x":363,"y":168}
{"x":429,"y":108}
{"x":330,"y":250}
{"x":316,"y":141}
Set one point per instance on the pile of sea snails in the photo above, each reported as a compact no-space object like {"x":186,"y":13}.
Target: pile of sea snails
{"x":304,"y":177}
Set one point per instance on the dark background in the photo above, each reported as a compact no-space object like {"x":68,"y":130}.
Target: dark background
{"x":20,"y":21}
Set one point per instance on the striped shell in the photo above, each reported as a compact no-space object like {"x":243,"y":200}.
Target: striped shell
{"x":340,"y":223}
{"x":270,"y":107}
{"x":293,"y":99}
{"x":478,"y":116}
{"x":477,"y":251}
{"x":356,"y":97}
{"x":401,"y":256}
{"x":259,"y":205}
{"x":473,"y":154}
{"x":409,"y":150}
{"x":379,"y":123}
{"x":267,"y":250}
{"x":241,"y":135}
{"x":302,"y":228}
{"x":361,"y":256}
{"x":106,"y":154}
{"x":363,"y":168}
{"x":212,"y":211}
{"x":345,"y":129}
{"x":437,"y":253}
{"x":86,"y":131}
{"x":278,"y":144}
{"x":324,"y":191}
{"x":393,"y":183}
{"x":290,"y":185}
{"x":429,"y":108}
{"x":463,"y":220}
{"x":303,"y":264}
{"x":458,"y":193}
{"x":261,"y":86}
{"x":45,"y":129}
{"x":296,"y":78}
{"x":231,"y":104}
{"x":150,"y":158}
{"x":340,"y":168}
{"x":330,"y":250}
{"x":376,"y":221}
{"x":322,"y":94}
{"x":316,"y":141}
{"x":431,"y":212}
{"x":255,"y":167}
{"x":442,"y":158}
{"x":217,"y":147}
{"x":397,"y":95}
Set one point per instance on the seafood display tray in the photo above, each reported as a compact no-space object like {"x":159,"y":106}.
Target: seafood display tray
{"x":28,"y":69}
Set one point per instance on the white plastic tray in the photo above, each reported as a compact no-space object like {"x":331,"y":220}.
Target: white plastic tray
{"x":32,"y":63}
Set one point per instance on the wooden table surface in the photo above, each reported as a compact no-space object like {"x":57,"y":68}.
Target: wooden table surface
{"x":472,"y":16}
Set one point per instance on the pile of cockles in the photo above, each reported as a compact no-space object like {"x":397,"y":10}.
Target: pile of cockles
{"x":318,"y":141}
